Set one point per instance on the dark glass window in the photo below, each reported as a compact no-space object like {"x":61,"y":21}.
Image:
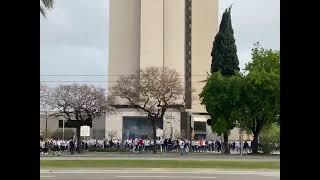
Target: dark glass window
{"x":200,"y":126}
{"x":138,"y":126}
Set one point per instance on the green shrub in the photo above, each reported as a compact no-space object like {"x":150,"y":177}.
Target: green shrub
{"x":270,"y":139}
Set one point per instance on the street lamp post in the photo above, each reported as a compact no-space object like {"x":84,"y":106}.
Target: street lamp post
{"x":63,"y":130}
{"x":189,"y":131}
{"x":46,"y":127}
{"x":241,"y":143}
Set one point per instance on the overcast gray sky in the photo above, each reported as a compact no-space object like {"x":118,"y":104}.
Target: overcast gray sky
{"x":73,"y":37}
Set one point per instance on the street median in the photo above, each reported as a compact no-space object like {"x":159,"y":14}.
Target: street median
{"x":214,"y":164}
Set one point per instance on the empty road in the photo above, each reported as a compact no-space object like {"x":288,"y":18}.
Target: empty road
{"x":157,"y":174}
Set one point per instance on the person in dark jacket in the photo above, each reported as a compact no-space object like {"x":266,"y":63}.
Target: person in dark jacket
{"x":165,"y":143}
{"x":71,"y":144}
{"x":218,"y":145}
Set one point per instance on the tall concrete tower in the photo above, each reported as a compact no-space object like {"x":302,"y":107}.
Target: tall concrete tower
{"x":173,"y":33}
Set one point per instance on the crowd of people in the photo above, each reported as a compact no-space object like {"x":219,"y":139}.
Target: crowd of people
{"x":138,"y":145}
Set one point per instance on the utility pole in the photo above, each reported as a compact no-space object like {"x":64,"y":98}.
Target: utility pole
{"x":241,"y":143}
{"x":63,"y":130}
{"x":46,"y":127}
{"x":189,"y":135}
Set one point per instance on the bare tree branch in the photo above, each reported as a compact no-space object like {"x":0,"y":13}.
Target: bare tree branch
{"x":152,"y":90}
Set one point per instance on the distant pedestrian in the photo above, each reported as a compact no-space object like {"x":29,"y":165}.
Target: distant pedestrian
{"x":181,"y":145}
{"x":218,"y":145}
{"x":58,"y":147}
{"x":72,"y":146}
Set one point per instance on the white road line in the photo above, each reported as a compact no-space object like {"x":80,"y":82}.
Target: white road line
{"x":47,"y":176}
{"x":148,"y":171}
{"x":150,"y":177}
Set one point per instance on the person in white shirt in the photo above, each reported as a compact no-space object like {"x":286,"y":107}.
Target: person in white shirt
{"x":129,"y":141}
{"x":186,"y":146}
{"x":147,"y":145}
{"x":161,"y":144}
{"x":135,"y":144}
{"x":54,"y":147}
{"x":193,"y":144}
{"x":237,"y":145}
{"x":59,"y":147}
{"x":158,"y":144}
{"x":42,"y":146}
{"x":210,"y":145}
{"x":181,"y":144}
{"x":198,"y":146}
{"x":202,"y":144}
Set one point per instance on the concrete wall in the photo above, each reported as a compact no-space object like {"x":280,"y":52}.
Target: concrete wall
{"x":145,"y":33}
{"x":124,"y":38}
{"x":174,"y":35}
{"x":97,"y":130}
{"x":234,"y":133}
{"x":204,"y":29}
{"x":53,"y":123}
{"x":173,"y":116}
{"x":114,"y":121}
{"x":151,"y":38}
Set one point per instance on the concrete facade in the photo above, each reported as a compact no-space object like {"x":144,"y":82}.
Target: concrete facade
{"x":164,"y":33}
{"x":97,"y":130}
{"x":114,"y":122}
{"x":124,"y":38}
{"x":204,"y":28}
{"x":144,"y":33}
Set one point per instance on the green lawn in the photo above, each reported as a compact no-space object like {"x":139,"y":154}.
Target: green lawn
{"x":160,"y":164}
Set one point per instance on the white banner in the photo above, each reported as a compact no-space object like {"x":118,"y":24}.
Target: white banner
{"x":85,"y":131}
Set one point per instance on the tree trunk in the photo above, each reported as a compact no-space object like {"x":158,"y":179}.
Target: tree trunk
{"x":254,"y":143}
{"x":78,"y":140}
{"x":226,"y":143}
{"x":154,"y":135}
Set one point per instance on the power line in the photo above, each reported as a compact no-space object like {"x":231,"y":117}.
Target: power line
{"x":55,"y":81}
{"x":71,"y":81}
{"x":92,"y":75}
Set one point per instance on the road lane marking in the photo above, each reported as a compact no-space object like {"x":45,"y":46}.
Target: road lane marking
{"x":136,"y":172}
{"x":148,"y":172}
{"x":150,"y":177}
{"x":47,"y":176}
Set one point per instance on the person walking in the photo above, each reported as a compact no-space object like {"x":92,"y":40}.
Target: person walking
{"x":193,"y":145}
{"x":165,"y":144}
{"x":181,"y":145}
{"x":210,"y":145}
{"x":218,"y":145}
{"x":161,"y":144}
{"x":72,"y":146}
{"x":59,"y":147}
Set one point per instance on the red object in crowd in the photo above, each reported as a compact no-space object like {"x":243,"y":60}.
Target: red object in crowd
{"x":141,"y":142}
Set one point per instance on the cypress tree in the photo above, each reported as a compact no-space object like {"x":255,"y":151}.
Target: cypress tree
{"x":224,"y":50}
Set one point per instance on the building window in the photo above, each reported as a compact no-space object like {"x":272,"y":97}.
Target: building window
{"x":138,"y":127}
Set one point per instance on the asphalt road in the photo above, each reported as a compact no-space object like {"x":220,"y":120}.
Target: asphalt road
{"x":157,"y":174}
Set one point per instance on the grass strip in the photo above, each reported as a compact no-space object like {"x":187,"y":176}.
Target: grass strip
{"x":232,"y":164}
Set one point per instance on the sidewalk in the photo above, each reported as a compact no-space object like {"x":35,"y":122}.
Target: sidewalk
{"x":160,"y":156}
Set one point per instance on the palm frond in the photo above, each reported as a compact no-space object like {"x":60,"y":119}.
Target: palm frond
{"x":48,"y":4}
{"x":42,"y":11}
